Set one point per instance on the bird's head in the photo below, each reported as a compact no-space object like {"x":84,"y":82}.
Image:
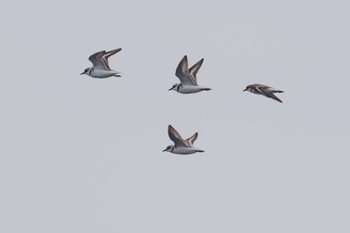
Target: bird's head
{"x":248,"y":88}
{"x":174,"y":87}
{"x":168,"y":148}
{"x":86,"y":71}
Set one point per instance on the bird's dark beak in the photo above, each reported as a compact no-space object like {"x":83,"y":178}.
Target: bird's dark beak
{"x":164,"y":150}
{"x":245,"y":89}
{"x":170,"y":89}
{"x":82,"y":73}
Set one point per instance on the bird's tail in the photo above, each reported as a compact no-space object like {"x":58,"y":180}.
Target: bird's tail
{"x":118,"y":74}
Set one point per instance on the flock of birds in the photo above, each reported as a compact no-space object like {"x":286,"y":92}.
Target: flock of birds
{"x":188,"y":85}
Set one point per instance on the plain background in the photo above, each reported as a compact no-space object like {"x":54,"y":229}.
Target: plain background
{"x":84,"y":155}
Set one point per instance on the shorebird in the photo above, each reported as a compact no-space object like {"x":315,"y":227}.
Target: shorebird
{"x":100,"y":67}
{"x":263,"y":90}
{"x":188,"y":80}
{"x":181,"y":146}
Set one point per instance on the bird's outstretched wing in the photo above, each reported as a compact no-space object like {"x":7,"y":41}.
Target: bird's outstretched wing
{"x":192,"y":139}
{"x":269,"y":92}
{"x":100,"y":59}
{"x":176,"y":137}
{"x":195,"y":68}
{"x":183,"y":73}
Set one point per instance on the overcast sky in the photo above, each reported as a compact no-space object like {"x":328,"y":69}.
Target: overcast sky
{"x":85,"y":155}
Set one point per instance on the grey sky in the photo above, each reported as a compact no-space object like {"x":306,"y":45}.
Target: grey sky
{"x":84,"y":155}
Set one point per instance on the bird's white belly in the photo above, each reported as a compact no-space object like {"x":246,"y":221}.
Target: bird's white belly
{"x":102,"y":73}
{"x":184,"y":150}
{"x":186,"y":89}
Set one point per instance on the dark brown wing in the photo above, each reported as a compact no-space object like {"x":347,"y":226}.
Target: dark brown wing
{"x":268,"y":92}
{"x":176,"y":137}
{"x":97,"y":61}
{"x":191,"y":139}
{"x":195,"y":68}
{"x":107,"y":55}
{"x":183,"y":73}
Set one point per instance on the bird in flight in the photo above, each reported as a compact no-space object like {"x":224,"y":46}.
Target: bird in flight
{"x":100,"y":64}
{"x":181,"y":146}
{"x":264,"y":90}
{"x":188,"y":78}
